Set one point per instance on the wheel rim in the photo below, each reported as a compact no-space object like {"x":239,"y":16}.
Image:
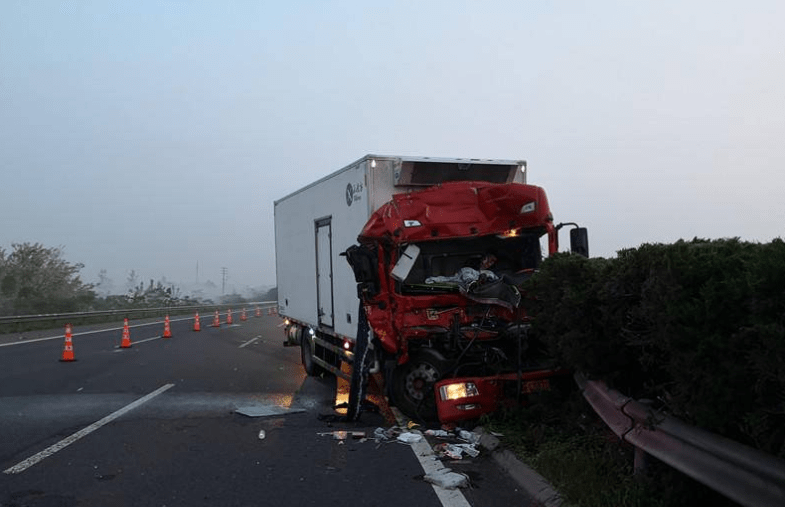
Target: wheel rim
{"x":419,"y":379}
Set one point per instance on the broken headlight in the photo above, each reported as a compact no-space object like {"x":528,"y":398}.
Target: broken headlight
{"x":458,"y":391}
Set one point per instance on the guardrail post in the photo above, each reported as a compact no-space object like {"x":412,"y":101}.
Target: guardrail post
{"x":641,"y":458}
{"x":640,"y":463}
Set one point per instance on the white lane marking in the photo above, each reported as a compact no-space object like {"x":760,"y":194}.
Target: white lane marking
{"x":430,"y":464}
{"x":32,"y":460}
{"x":249,"y":342}
{"x":118,"y":348}
{"x":146,"y":340}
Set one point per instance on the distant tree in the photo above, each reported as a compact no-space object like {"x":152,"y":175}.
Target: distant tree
{"x":233,"y":298}
{"x":105,"y":284}
{"x":256,"y":294}
{"x":130,"y":282}
{"x":271,"y":295}
{"x":36,"y":279}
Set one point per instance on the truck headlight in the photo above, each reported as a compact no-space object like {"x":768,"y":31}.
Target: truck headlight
{"x":458,"y":391}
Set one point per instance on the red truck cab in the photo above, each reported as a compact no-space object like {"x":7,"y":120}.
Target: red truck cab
{"x":439,"y":274}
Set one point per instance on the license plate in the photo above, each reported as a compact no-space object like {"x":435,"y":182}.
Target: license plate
{"x":533,"y":386}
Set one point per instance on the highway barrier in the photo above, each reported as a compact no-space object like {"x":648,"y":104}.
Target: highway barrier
{"x":13,"y":323}
{"x":743,"y":474}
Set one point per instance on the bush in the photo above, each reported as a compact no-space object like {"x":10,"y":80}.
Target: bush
{"x":36,"y":279}
{"x":698,"y":325}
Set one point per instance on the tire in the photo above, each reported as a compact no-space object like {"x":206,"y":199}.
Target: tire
{"x":306,"y":355}
{"x":412,"y":385}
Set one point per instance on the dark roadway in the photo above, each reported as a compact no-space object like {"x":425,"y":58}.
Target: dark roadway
{"x":186,"y":445}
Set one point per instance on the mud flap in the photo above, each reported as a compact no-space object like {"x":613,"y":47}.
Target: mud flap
{"x":360,"y":368}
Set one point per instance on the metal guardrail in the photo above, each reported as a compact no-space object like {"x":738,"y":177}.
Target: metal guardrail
{"x":743,"y":474}
{"x":21,"y":319}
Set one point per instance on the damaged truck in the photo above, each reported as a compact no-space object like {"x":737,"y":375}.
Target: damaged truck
{"x":411,"y":268}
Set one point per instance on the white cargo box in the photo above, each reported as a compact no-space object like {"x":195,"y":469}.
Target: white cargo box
{"x":315,"y":224}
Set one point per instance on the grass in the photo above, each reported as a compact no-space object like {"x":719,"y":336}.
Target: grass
{"x":560,"y":436}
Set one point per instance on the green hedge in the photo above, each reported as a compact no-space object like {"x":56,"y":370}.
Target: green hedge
{"x":697,"y":325}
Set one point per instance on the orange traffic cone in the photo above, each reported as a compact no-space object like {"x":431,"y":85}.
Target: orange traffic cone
{"x":229,"y":316}
{"x":216,"y":320}
{"x":68,"y":349}
{"x":258,"y":312}
{"x":126,"y":336}
{"x":243,"y":317}
{"x":167,"y":328}
{"x":197,"y":325}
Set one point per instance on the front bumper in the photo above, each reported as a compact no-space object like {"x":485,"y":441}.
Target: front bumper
{"x":465,"y":398}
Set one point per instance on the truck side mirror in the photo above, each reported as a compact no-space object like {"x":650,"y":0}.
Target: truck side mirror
{"x":579,"y":241}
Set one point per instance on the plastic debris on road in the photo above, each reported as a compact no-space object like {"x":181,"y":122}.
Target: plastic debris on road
{"x":410,"y":437}
{"x":455,"y":448}
{"x":469,"y":436}
{"x":397,"y":434}
{"x":456,"y":451}
{"x":447,"y":479}
{"x":438,"y":433}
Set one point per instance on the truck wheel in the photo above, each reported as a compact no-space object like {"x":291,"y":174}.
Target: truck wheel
{"x":412,"y":385}
{"x":306,"y":354}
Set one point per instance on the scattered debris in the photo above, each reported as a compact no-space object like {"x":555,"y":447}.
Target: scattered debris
{"x":343,"y":435}
{"x":469,"y":436}
{"x":451,"y":451}
{"x":387,"y":435}
{"x":459,"y":442}
{"x":456,"y":451}
{"x":470,"y":449}
{"x":438,"y":433}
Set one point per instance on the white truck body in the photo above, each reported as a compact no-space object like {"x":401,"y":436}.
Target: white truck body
{"x":314,"y":225}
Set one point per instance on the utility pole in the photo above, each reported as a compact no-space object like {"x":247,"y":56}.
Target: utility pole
{"x":224,"y":271}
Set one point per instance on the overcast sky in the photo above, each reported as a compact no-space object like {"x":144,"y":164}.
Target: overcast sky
{"x":156,"y":135}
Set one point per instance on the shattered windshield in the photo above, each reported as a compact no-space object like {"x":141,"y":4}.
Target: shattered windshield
{"x":448,"y":264}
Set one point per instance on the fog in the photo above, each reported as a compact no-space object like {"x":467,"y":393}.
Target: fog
{"x":155,"y":136}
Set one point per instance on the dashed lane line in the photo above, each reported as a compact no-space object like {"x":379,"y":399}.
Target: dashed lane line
{"x":134,"y":342}
{"x":250,"y":341}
